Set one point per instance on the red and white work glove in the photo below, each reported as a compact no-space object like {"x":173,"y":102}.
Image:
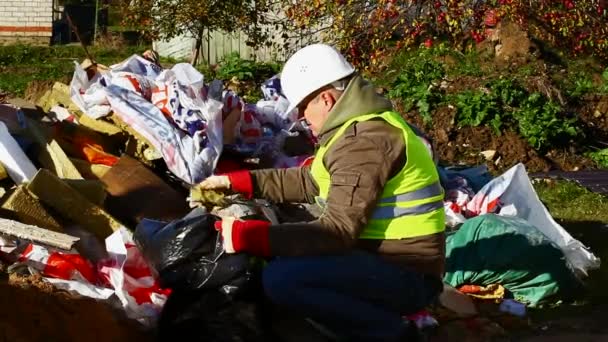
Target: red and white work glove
{"x":249,"y":236}
{"x":238,"y":181}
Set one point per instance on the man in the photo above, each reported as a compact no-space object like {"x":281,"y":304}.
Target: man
{"x":377,"y":251}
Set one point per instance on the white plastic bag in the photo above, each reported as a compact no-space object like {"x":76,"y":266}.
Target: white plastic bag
{"x":15,"y":161}
{"x":133,"y":82}
{"x":89,"y":95}
{"x":128,"y":273}
{"x":169,"y":108}
{"x":514,"y":189}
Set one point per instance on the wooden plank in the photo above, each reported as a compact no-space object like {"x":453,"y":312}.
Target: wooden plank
{"x":37,"y":234}
{"x":68,"y":202}
{"x":135,"y":193}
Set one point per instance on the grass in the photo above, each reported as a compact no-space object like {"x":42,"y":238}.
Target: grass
{"x":584,"y":215}
{"x":20,"y":64}
{"x":570,"y":202}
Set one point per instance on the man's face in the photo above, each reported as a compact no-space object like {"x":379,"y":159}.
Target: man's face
{"x":316,"y":108}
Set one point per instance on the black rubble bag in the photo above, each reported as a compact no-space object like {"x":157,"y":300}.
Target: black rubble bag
{"x":187,"y":254}
{"x":215,"y":296}
{"x":215,"y":315}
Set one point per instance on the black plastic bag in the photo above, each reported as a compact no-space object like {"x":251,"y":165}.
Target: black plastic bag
{"x":215,"y":315}
{"x":187,"y":254}
{"x":215,"y":296}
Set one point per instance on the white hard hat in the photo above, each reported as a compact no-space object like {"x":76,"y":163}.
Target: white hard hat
{"x":310,"y":69}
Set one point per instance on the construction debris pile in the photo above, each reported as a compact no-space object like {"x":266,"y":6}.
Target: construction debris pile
{"x":96,"y":170}
{"x":83,"y":166}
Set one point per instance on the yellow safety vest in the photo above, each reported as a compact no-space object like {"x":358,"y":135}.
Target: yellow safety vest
{"x":411,"y":203}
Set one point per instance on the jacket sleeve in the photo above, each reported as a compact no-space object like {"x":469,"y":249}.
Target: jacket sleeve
{"x":360,"y":163}
{"x":285,"y":185}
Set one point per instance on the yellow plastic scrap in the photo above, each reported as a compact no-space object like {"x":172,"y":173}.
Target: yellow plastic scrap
{"x":207,"y":198}
{"x":489,"y":292}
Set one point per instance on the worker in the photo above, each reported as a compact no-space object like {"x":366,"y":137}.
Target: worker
{"x":377,"y":251}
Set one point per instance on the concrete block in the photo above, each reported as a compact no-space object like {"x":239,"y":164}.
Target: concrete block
{"x":67,"y":201}
{"x":37,"y":234}
{"x":24,"y":207}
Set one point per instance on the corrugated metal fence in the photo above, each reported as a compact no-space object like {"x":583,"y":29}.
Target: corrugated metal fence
{"x":217,"y":45}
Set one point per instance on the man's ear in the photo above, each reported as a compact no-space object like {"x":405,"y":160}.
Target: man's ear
{"x":328,"y":98}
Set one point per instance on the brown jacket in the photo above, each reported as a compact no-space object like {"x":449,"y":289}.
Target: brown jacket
{"x":360,"y":164}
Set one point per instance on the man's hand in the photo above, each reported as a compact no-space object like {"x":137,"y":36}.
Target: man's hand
{"x":216,"y":183}
{"x":249,"y":236}
{"x":238,"y":181}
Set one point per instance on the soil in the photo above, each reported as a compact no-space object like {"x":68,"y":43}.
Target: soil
{"x":507,"y":50}
{"x":594,"y":112}
{"x":463,"y":146}
{"x":34,"y":310}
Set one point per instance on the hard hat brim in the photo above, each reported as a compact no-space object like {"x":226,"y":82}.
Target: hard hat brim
{"x":292,"y":107}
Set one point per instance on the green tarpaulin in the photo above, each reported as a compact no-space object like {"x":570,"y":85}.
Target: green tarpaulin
{"x":491,"y":249}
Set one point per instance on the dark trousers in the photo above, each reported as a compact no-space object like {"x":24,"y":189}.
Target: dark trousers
{"x":357,"y":295}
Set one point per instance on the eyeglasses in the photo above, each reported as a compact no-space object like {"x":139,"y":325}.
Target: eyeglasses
{"x":304,"y":103}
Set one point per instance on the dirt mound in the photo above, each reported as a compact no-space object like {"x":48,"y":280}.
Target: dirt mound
{"x":594,"y":113}
{"x":511,"y":43}
{"x":34,"y":310}
{"x":464,"y":146}
{"x":551,"y":112}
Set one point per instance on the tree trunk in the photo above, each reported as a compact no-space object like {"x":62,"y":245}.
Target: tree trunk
{"x":197,"y":47}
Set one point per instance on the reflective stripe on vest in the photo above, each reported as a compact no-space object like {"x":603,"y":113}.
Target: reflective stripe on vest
{"x":383,"y":213}
{"x":411,"y":203}
{"x":432,"y":190}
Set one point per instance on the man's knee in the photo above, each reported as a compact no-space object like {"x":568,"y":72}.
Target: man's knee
{"x":279,"y":281}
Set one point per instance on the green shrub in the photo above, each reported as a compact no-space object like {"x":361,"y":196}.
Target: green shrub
{"x":233,"y":65}
{"x":540,"y":122}
{"x":415,"y":84}
{"x":600,"y":157}
{"x":477,"y":108}
{"x":504,"y":103}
